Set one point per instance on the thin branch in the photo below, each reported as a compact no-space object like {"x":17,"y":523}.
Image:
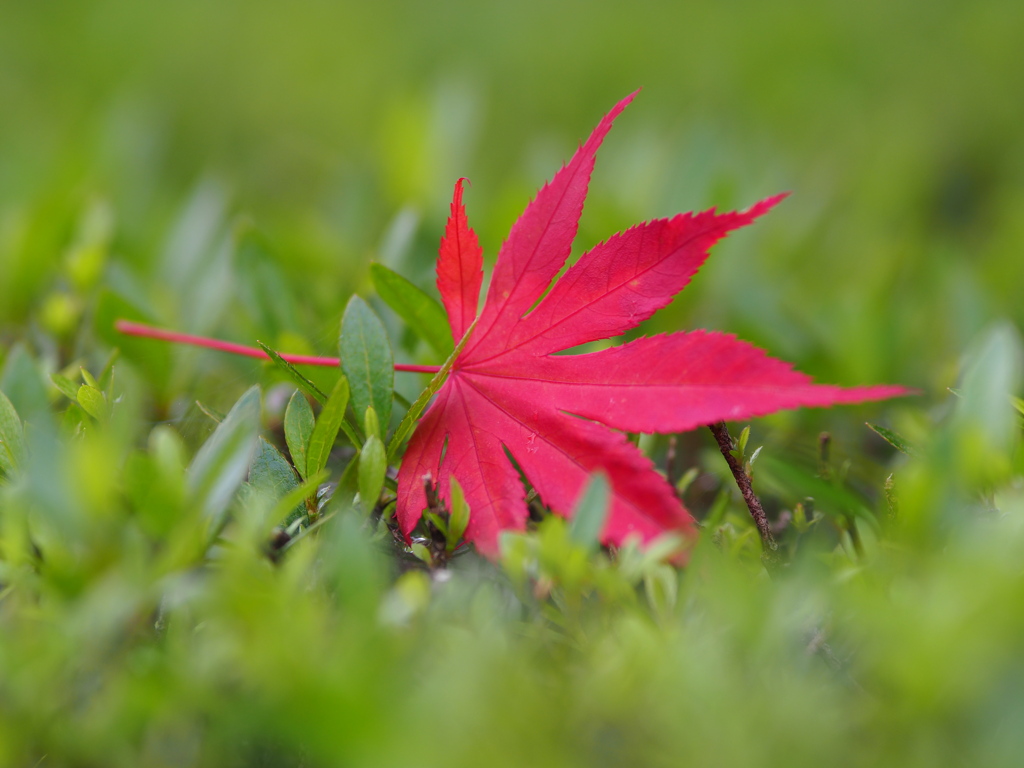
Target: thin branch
{"x":670,"y":461}
{"x":817,"y":644}
{"x":149,"y":332}
{"x":726,"y":446}
{"x":825,"y":455}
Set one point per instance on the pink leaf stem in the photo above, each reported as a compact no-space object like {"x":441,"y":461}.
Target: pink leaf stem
{"x":130,"y":328}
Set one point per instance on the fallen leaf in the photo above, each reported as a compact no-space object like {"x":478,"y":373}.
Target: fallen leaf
{"x":511,"y":405}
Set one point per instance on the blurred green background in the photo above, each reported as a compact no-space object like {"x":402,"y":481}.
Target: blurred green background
{"x":232,"y":168}
{"x":896,"y":128}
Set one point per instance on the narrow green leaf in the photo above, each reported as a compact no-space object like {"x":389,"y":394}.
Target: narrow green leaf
{"x":298,"y":428}
{"x":754,"y":455}
{"x":67,"y":387}
{"x":438,"y":521}
{"x":371,"y":425}
{"x":591,"y":512}
{"x":458,"y":517}
{"x":421,"y":312}
{"x":686,"y":480}
{"x":12,"y":436}
{"x":716,"y":514}
{"x":741,"y":443}
{"x":405,"y":427}
{"x":373,"y":464}
{"x":893,"y":439}
{"x":107,"y":374}
{"x":221,"y":463}
{"x":92,"y":401}
{"x":89,"y":379}
{"x":367,"y":361}
{"x":305,"y":384}
{"x":324,"y":433}
{"x":422,"y":553}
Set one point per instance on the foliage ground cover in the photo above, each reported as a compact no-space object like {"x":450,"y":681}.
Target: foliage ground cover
{"x":175,"y":587}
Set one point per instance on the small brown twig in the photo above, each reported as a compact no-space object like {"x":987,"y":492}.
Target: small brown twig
{"x":817,"y":644}
{"x":670,"y":461}
{"x":825,"y":455}
{"x":726,"y":446}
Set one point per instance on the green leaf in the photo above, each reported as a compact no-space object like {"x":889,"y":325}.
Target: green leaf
{"x":892,"y":438}
{"x":591,"y":512}
{"x":422,"y":553}
{"x":753,"y":456}
{"x":221,"y":463}
{"x":438,"y":521}
{"x":107,"y":374}
{"x":92,"y":401}
{"x":12,"y":436}
{"x":367,"y":361}
{"x":298,"y":428}
{"x":458,"y":517}
{"x":741,"y":443}
{"x":305,"y":384}
{"x":89,"y":379}
{"x":371,"y":424}
{"x":324,"y":433}
{"x":716,"y":513}
{"x":67,"y":387}
{"x":271,"y":474}
{"x":373,"y":465}
{"x":686,"y":480}
{"x":421,"y":312}
{"x":405,"y":427}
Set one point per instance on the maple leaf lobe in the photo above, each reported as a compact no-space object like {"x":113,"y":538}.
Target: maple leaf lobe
{"x":459,"y":268}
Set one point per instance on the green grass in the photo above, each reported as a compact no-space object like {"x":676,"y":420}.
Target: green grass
{"x":231,"y":169}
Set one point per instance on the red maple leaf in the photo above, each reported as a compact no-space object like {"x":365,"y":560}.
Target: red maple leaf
{"x":510,"y":397}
